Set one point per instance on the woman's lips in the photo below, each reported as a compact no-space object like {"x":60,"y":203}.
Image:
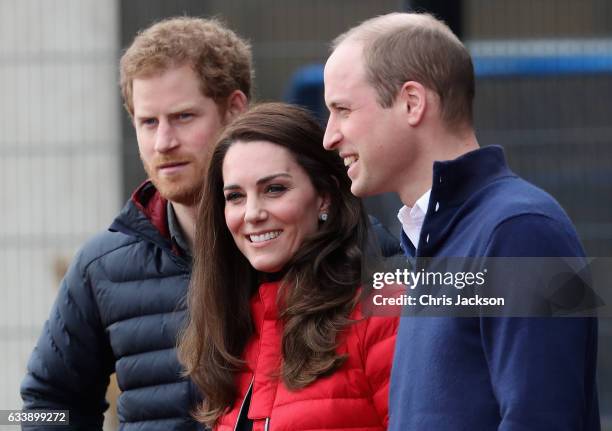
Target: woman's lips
{"x":264,"y":238}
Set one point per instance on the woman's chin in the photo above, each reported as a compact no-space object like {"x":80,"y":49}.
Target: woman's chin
{"x":268,"y":269}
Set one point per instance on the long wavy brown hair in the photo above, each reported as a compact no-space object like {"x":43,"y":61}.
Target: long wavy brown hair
{"x":319,"y":285}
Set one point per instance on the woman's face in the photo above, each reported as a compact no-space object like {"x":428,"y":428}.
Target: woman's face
{"x":271,"y":205}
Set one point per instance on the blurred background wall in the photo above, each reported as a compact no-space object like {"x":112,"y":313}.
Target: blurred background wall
{"x":69,"y":159}
{"x":60,"y":159}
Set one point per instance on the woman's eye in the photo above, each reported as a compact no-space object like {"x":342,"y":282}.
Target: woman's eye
{"x":232,"y":196}
{"x":275,"y":188}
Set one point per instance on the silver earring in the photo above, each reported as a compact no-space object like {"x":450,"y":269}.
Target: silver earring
{"x":323,"y":216}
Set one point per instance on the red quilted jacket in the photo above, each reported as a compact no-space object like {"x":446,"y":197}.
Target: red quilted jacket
{"x":352,"y":398}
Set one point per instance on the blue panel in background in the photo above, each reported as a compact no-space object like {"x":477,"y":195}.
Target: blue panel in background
{"x":492,"y":59}
{"x":306,"y":89}
{"x":505,"y":66}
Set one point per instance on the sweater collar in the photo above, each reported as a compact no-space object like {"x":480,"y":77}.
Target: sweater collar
{"x":454,"y":181}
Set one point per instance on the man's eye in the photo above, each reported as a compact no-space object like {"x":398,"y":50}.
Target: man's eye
{"x":185,"y":116}
{"x":275,"y":188}
{"x":148,"y":122}
{"x":233,"y":196}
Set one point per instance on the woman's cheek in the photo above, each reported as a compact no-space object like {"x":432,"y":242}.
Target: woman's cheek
{"x":232,"y":219}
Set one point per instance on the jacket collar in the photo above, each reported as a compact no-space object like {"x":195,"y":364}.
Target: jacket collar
{"x":266,"y":353}
{"x":264,"y":303}
{"x":145,"y":216}
{"x":148,"y":200}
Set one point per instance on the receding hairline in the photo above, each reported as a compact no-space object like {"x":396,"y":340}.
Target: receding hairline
{"x":376,"y":27}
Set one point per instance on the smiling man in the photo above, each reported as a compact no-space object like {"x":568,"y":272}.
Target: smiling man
{"x":121,"y":304}
{"x":399,"y":90}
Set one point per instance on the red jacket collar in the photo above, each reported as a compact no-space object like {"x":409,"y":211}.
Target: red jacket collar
{"x":264,"y":304}
{"x":263,"y":353}
{"x":153,"y":205}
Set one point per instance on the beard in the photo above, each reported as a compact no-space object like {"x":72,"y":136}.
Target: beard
{"x":184,"y":188}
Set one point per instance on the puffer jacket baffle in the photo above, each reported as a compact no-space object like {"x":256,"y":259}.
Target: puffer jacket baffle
{"x":119,"y":308}
{"x":353,"y":398}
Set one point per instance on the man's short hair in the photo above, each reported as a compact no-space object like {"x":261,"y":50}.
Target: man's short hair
{"x":220,"y":58}
{"x":401,"y":47}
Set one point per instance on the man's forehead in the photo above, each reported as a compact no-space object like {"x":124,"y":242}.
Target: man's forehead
{"x":171,"y":90}
{"x":345,"y":59}
{"x":344,"y":68}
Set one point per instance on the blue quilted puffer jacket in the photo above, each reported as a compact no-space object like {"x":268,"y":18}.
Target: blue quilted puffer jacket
{"x":119,"y":308}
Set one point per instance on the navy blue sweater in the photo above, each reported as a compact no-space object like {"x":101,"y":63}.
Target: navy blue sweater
{"x":486,"y":374}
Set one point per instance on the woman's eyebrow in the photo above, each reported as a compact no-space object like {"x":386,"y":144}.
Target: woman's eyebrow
{"x":260,"y":181}
{"x":271,"y":177}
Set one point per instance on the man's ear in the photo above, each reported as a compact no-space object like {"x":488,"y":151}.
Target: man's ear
{"x":413,"y":101}
{"x":237,"y":103}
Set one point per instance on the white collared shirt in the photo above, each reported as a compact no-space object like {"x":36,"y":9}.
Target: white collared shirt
{"x":412,"y":218}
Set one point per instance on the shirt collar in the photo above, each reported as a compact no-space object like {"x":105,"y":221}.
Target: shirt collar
{"x":176,"y":232}
{"x":412,"y":218}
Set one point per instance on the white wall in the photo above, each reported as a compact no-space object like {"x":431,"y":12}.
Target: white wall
{"x":59,"y":156}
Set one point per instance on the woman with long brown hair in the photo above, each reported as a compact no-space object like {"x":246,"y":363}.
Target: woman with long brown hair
{"x":276,"y":339}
